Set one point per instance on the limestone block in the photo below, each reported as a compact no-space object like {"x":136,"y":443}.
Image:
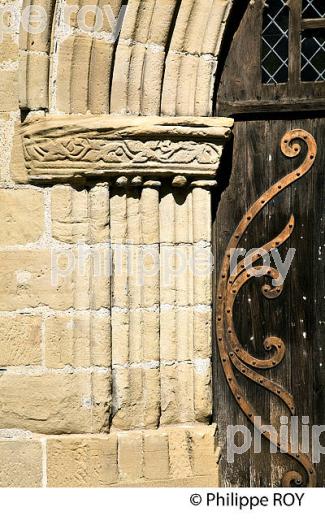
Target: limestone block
{"x":153,"y":72}
{"x":203,"y":444}
{"x":80,"y":215}
{"x":167,"y":208}
{"x":80,"y":340}
{"x":22,"y":80}
{"x":190,"y":482}
{"x":21,"y":215}
{"x":202,"y":331}
{"x":137,"y":22}
{"x":126,"y":283}
{"x":55,"y":403}
{"x":23,"y":34}
{"x":185,"y":333}
{"x":169,"y":456}
{"x":135,"y":336}
{"x":120,"y":336}
{"x":160,"y":22}
{"x":177,"y":216}
{"x":177,"y":274}
{"x":199,"y":26}
{"x":99,"y":83}
{"x":134,"y":215}
{"x":60,"y":279}
{"x":89,"y":461}
{"x":119,"y":207}
{"x":62,"y":97}
{"x":203,"y":390}
{"x":8,"y":49}
{"x":148,"y":276}
{"x":20,"y":338}
{"x":202,"y":221}
{"x":169,"y":86}
{"x":137,"y":56}
{"x":183,"y":216}
{"x":70,"y":221}
{"x":91,"y":277}
{"x":87,"y":20}
{"x":202,"y":269}
{"x":21,"y":463}
{"x":80,"y":73}
{"x":37,"y":81}
{"x":179,"y":456}
{"x":196,"y":26}
{"x":216,"y":26}
{"x":177,"y":394}
{"x":8,"y":90}
{"x":37,"y":40}
{"x":188,"y":75}
{"x":26,"y":280}
{"x":181,"y":25}
{"x":156,"y":456}
{"x":136,"y":276}
{"x":119,"y":95}
{"x":206,"y":68}
{"x":77,"y":18}
{"x":16,"y":162}
{"x":99,"y":214}
{"x":136,"y":398}
{"x":130,"y":456}
{"x":149,"y":206}
{"x":6,"y":139}
{"x":191,"y":61}
{"x":176,"y":334}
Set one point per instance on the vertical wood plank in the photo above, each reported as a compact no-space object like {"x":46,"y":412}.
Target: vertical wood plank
{"x":318,"y":309}
{"x":232,"y":206}
{"x":257,"y":307}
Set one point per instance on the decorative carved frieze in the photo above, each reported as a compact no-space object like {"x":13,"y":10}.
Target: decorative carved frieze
{"x":60,"y":149}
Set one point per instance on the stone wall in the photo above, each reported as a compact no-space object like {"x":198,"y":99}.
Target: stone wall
{"x":105,"y":378}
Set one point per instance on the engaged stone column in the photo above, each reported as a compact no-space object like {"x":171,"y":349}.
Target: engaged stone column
{"x":186,"y":304}
{"x":135,"y":193}
{"x":135,"y":304}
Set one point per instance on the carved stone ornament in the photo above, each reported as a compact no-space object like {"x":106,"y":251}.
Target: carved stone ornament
{"x":64,"y":148}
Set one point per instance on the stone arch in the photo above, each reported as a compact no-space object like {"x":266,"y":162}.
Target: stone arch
{"x":163,"y":63}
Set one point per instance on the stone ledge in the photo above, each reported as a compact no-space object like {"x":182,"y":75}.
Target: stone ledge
{"x":66,"y":148}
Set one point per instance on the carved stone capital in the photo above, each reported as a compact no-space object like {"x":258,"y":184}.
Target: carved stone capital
{"x":67,"y":148}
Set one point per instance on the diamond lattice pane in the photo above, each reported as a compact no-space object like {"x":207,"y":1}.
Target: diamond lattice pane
{"x":313,"y":56}
{"x":313,"y":8}
{"x":275,"y":43}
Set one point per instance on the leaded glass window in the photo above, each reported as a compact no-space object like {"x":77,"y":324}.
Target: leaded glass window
{"x":275,"y":39}
{"x":313,"y":8}
{"x":293,"y":42}
{"x":313,"y":56}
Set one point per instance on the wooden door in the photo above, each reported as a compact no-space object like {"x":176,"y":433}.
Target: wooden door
{"x":269,"y":339}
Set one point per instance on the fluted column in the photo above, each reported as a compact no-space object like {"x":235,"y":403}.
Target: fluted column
{"x":136,"y":194}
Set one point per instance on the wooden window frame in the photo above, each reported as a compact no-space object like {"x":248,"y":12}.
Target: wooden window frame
{"x":240,"y":95}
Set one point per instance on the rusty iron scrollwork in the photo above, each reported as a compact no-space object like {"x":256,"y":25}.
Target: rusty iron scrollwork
{"x":232,"y":353}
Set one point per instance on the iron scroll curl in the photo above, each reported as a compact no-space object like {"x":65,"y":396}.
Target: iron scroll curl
{"x":234,"y":358}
